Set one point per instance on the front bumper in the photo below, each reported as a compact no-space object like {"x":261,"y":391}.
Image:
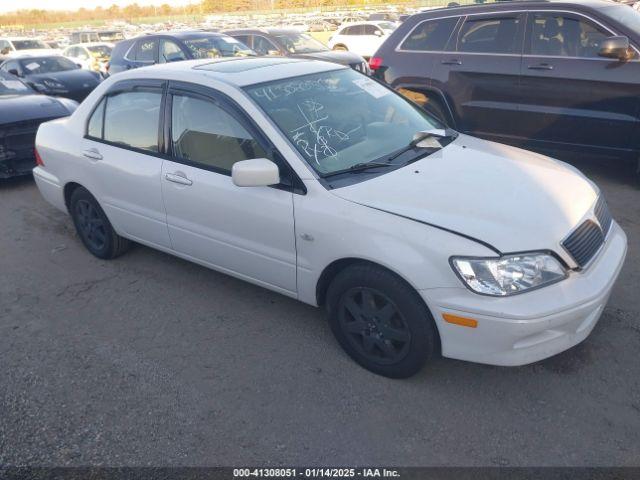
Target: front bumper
{"x":531,"y":326}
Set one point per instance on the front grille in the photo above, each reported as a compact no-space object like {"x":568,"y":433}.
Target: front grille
{"x":585,"y":241}
{"x":603,"y":215}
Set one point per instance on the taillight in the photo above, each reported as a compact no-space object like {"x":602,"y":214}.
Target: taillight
{"x":375,"y":63}
{"x":39,"y":161}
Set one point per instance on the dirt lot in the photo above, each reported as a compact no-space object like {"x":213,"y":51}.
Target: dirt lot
{"x":150,"y":360}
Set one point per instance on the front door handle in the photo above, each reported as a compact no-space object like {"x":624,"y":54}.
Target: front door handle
{"x":453,"y":61}
{"x":92,"y":154}
{"x":178,"y":178}
{"x":542,"y":66}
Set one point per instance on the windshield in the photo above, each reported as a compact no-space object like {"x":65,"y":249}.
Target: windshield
{"x":300,"y":43}
{"x":36,"y":66}
{"x":387,"y":25}
{"x":29,"y":44}
{"x":624,"y":15}
{"x":341,"y":118}
{"x":110,"y":36}
{"x":10,"y":85}
{"x":212,"y":47}
{"x":100,"y":51}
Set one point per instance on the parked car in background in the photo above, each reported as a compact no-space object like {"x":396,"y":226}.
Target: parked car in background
{"x":319,"y":183}
{"x":22,"y":110}
{"x":96,"y":36}
{"x":19,"y":46}
{"x":91,"y":56}
{"x":174,"y":47}
{"x":548,"y":76}
{"x":53,"y":75}
{"x":363,"y":38}
{"x":387,"y":17}
{"x":290,"y":43}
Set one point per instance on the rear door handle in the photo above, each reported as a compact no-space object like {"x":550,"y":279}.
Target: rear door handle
{"x":92,"y":154}
{"x":453,"y":61}
{"x":542,"y":66}
{"x":178,"y":178}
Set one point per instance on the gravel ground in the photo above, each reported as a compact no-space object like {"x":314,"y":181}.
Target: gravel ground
{"x":151,"y":360}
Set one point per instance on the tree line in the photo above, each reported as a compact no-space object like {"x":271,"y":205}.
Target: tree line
{"x":135,"y":11}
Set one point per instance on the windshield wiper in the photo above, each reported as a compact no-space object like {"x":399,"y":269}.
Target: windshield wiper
{"x":358,"y":167}
{"x":418,"y":138}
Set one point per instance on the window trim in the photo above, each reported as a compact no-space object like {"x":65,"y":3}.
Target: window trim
{"x":294,"y":183}
{"x":125,"y":86}
{"x":521,"y":11}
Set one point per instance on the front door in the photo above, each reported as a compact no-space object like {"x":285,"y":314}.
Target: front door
{"x":571,"y":97}
{"x":248,"y":231}
{"x":479,"y":74}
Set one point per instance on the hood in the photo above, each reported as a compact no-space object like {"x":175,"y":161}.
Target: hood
{"x":343,"y":58}
{"x":71,"y":78}
{"x":20,"y":108}
{"x":510,"y":198}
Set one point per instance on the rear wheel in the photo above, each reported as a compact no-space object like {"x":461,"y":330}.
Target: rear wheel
{"x":380,"y":321}
{"x":340,"y":47}
{"x":93,"y":226}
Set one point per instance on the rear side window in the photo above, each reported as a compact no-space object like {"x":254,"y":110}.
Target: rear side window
{"x":489,"y":35}
{"x":94,"y":128}
{"x":430,"y":36}
{"x":203,"y":132}
{"x":131,"y":119}
{"x":144,"y":51}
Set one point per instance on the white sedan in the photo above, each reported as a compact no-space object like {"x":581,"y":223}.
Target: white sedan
{"x":363,"y":38}
{"x":415,"y":239}
{"x":90,"y":56}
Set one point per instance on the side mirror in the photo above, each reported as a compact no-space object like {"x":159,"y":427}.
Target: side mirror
{"x":273,"y":52}
{"x":13,"y":71}
{"x":615,"y":47}
{"x":78,"y":65}
{"x":258,"y":172}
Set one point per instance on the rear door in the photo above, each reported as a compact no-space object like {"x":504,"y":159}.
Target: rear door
{"x":479,"y":74}
{"x":249,"y":231}
{"x":572,"y":98}
{"x":122,"y":144}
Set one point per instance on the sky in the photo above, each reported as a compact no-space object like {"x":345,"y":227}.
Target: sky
{"x":11,"y":5}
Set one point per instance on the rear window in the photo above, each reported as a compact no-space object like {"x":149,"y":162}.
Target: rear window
{"x":430,"y":36}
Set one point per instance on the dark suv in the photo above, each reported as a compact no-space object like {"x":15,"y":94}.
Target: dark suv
{"x":548,"y":76}
{"x":173,"y":47}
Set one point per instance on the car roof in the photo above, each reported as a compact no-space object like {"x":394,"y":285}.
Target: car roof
{"x":237,"y":72}
{"x":266,"y":31}
{"x":91,"y":44}
{"x":518,"y":5}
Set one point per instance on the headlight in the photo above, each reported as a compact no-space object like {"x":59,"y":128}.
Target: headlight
{"x":509,"y":274}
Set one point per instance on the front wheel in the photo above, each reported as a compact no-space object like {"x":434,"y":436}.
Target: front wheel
{"x":380,"y":321}
{"x":341,"y":48}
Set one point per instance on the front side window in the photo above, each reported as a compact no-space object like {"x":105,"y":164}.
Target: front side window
{"x":300,"y":43}
{"x":370,"y":30}
{"x":310,"y":111}
{"x":202,"y":132}
{"x":566,"y":36}
{"x":132,"y":119}
{"x":430,"y":36}
{"x":263,"y":46}
{"x":489,"y":35}
{"x":170,"y":52}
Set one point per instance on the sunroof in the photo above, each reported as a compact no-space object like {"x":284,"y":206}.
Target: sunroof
{"x":242,"y":64}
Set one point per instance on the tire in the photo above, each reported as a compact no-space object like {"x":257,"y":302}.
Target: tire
{"x":380,"y":321}
{"x":341,"y":48}
{"x":93,"y":226}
